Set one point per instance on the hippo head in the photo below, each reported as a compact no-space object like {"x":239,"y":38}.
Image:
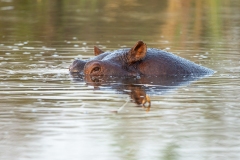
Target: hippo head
{"x":119,"y":62}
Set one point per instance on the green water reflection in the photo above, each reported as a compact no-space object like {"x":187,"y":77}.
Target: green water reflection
{"x":123,"y":20}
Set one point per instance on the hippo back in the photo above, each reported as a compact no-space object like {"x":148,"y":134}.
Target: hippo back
{"x":159,"y":62}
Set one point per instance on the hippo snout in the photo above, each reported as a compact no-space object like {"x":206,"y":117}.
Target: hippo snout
{"x":77,"y":66}
{"x":93,"y":68}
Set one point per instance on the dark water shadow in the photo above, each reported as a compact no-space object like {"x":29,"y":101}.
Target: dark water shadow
{"x":138,"y":88}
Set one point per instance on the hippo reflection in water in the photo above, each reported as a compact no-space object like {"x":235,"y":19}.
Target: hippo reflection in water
{"x":139,"y":70}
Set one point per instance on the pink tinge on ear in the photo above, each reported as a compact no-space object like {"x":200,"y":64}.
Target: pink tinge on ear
{"x":97,"y":51}
{"x":140,"y":49}
{"x":138,"y":52}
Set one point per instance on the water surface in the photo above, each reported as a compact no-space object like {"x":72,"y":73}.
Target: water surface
{"x":46,"y":114}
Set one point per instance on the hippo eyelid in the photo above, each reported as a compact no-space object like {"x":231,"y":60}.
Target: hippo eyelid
{"x":97,"y":68}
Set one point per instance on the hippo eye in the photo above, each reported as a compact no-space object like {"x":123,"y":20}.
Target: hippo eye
{"x":96,"y":69}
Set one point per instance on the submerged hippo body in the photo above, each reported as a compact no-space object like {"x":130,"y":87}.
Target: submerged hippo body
{"x":135,"y":61}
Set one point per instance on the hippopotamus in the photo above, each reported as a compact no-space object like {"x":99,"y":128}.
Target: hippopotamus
{"x":136,"y":61}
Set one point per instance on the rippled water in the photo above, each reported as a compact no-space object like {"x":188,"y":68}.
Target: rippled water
{"x":45,"y":113}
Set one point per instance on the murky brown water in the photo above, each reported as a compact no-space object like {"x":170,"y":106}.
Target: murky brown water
{"x":46,"y":114}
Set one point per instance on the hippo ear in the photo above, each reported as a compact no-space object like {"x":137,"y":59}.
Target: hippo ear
{"x":97,"y":51}
{"x":138,"y":52}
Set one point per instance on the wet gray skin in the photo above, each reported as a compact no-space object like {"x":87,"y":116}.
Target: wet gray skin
{"x":138,"y":60}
